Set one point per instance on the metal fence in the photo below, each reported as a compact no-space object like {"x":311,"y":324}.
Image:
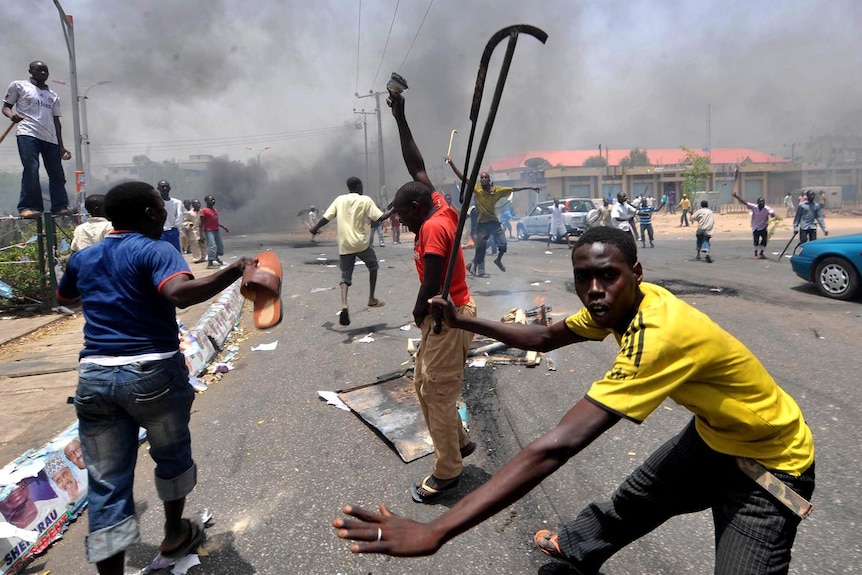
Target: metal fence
{"x":32,"y":253}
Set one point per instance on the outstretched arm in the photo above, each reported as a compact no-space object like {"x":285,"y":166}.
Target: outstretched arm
{"x":409,"y":150}
{"x":530,"y":337}
{"x":455,"y":169}
{"x":402,"y":537}
{"x":534,"y":188}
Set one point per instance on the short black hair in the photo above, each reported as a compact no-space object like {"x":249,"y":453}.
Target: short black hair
{"x":704,"y":204}
{"x":621,"y":240}
{"x":95,"y":205}
{"x":354,"y":184}
{"x":414,"y":192}
{"x":126,"y":204}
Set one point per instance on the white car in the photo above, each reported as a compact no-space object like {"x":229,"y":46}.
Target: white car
{"x":538,"y":221}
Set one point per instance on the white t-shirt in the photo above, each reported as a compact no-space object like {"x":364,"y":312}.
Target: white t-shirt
{"x":556,"y":216}
{"x":625,"y":213}
{"x":353,"y":211}
{"x":38,"y":107}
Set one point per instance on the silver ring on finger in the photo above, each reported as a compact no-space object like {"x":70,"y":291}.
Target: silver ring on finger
{"x":379,"y":533}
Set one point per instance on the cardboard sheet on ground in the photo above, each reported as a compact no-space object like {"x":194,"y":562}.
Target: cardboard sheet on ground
{"x":391,"y":407}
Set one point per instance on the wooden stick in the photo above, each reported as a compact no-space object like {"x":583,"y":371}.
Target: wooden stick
{"x":12,"y":125}
{"x":449,"y":151}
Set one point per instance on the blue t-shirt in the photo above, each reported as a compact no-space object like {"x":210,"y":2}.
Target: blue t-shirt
{"x":119,"y":282}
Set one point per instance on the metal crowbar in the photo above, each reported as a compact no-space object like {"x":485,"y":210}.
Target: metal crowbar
{"x":512,"y":33}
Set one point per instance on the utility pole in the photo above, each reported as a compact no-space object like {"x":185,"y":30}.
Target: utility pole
{"x":364,"y":115}
{"x":381,"y":171}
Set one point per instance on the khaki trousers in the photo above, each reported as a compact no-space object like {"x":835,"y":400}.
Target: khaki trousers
{"x":438,"y":378}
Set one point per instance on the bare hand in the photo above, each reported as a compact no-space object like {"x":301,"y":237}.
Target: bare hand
{"x":396,"y":102}
{"x":386,"y":533}
{"x":66,"y":155}
{"x":443,"y":308}
{"x":15,"y":118}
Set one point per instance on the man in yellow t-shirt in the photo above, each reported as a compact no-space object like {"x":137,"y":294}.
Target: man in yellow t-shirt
{"x":486,"y":195}
{"x":353,"y":210}
{"x":668,"y":349}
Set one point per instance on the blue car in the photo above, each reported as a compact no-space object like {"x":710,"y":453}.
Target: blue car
{"x":833,"y":264}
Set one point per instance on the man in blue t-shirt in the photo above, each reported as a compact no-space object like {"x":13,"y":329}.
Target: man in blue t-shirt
{"x":132,"y":373}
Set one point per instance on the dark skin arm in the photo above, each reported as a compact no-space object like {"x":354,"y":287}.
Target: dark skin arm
{"x":460,"y":176}
{"x":403,"y":537}
{"x":409,"y":150}
{"x":532,"y":337}
{"x":183,"y":291}
{"x":430,"y":287}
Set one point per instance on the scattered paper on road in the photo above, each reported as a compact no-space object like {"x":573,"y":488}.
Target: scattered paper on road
{"x":265,"y":346}
{"x":366,"y":339}
{"x":332,"y":398}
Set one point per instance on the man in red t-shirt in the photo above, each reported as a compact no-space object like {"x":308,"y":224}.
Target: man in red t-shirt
{"x":439,"y":370}
{"x":210,"y":229}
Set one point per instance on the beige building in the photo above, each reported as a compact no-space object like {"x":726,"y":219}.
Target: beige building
{"x":561,"y":173}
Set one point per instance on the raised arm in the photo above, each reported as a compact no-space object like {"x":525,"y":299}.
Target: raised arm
{"x":455,"y":169}
{"x":409,"y":150}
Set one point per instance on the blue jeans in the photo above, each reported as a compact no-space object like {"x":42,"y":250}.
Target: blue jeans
{"x":376,"y":231}
{"x":754,"y":533}
{"x":112,"y":403}
{"x":29,"y":149}
{"x":215,"y":247}
{"x":483,"y":232}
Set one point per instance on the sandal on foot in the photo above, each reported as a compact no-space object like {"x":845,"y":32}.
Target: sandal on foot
{"x":468,"y":449}
{"x":344,"y":317}
{"x":548,"y":543}
{"x":375,"y":303}
{"x":431,"y":494}
{"x":195,"y":539}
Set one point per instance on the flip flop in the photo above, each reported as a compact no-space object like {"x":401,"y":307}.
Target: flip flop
{"x":261,"y":284}
{"x":376,"y":303}
{"x":433,"y":494}
{"x":190,"y":545}
{"x":548,"y":543}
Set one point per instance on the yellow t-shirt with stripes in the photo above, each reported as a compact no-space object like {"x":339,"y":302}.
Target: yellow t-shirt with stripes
{"x":673,"y":350}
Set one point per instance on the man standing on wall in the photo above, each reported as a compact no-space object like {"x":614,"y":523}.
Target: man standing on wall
{"x":37,"y":113}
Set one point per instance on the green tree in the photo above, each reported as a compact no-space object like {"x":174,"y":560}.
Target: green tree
{"x":595,"y":162}
{"x":696,"y":173}
{"x":636,"y":157}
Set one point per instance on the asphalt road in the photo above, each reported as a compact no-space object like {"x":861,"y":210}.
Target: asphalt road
{"x":276,"y":463}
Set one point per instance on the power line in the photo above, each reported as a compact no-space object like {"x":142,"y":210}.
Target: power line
{"x":416,"y":36}
{"x":391,"y":24}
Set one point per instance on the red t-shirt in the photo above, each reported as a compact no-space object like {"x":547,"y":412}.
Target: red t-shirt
{"x":209,"y":219}
{"x":436,"y":236}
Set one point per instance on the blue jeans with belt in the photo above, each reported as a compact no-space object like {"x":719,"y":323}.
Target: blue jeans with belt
{"x":112,"y":403}
{"x":29,"y":149}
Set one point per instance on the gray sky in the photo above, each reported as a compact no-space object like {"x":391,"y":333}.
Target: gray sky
{"x":216,"y":76}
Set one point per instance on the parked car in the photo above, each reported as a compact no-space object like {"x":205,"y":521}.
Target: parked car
{"x":538,"y":221}
{"x":833,"y":264}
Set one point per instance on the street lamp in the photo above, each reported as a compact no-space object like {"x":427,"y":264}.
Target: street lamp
{"x":259,"y":153}
{"x":250,"y":149}
{"x":85,"y":132}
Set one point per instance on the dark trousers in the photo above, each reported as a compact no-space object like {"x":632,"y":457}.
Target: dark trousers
{"x":484,"y":231}
{"x":807,"y":235}
{"x":759,"y":238}
{"x":29,"y":149}
{"x":754,"y":533}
